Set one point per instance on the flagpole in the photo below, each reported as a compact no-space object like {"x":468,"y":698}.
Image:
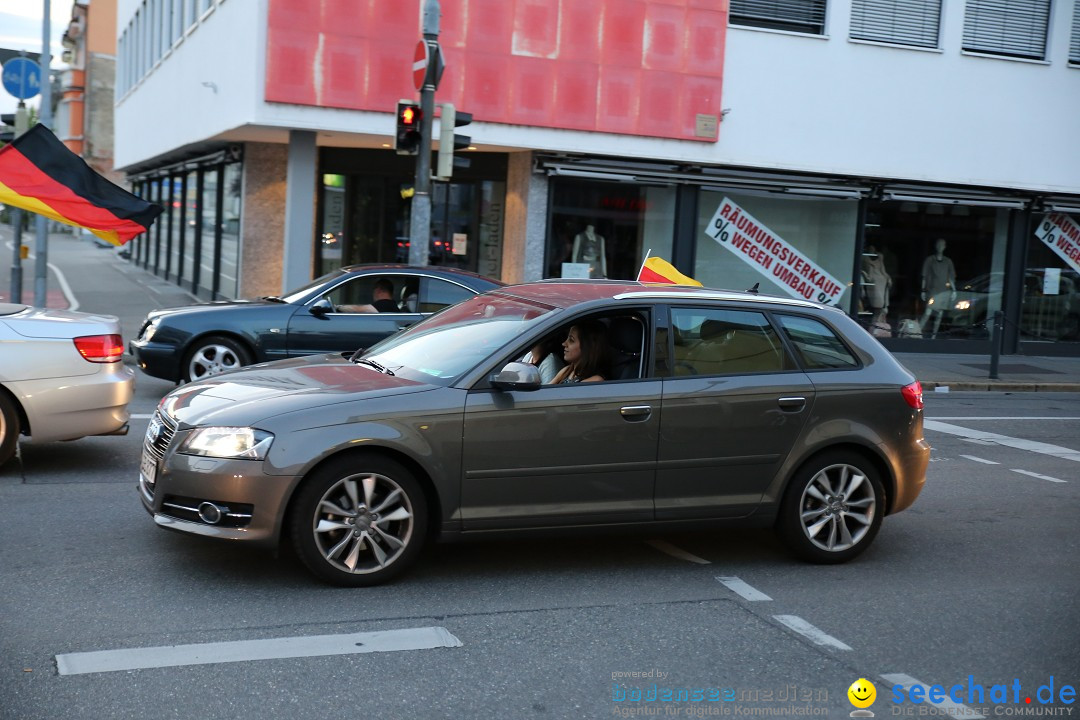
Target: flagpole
{"x":643,"y":261}
{"x":41,"y":265}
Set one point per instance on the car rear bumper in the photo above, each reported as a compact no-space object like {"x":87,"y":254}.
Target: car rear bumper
{"x":156,"y":359}
{"x":70,"y":408}
{"x":909,"y":468}
{"x":253,"y":503}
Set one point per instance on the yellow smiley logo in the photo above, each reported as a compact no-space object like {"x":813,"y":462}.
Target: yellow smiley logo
{"x":862,"y":693}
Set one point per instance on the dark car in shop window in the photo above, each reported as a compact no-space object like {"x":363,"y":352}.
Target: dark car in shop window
{"x":714,"y":407}
{"x":331,"y":314}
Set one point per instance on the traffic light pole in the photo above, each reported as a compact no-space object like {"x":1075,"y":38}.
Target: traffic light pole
{"x":41,"y":264}
{"x":21,"y":121}
{"x":420,"y":214}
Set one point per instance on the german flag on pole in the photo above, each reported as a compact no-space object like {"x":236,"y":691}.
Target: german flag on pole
{"x":38,"y":173}
{"x":658,"y":270}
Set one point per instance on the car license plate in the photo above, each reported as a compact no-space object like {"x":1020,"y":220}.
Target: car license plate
{"x":148,"y":468}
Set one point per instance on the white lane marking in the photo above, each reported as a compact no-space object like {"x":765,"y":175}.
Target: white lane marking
{"x":1017,"y":417}
{"x":73,"y":303}
{"x":969,"y":457}
{"x":1037,"y":475}
{"x":669,"y":549}
{"x":425,"y":638}
{"x":740,"y":587}
{"x":949,"y":706}
{"x":810,"y":632}
{"x":1019,"y":443}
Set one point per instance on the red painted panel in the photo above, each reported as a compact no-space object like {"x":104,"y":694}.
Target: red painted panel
{"x":575,"y":95}
{"x":706,"y":43}
{"x":665,"y":38}
{"x":661,"y":106}
{"x":623,"y":28}
{"x":289,"y":62}
{"x":536,"y":28}
{"x":645,"y":67}
{"x":344,"y":66}
{"x":490,"y":26}
{"x":487,"y":87}
{"x":620,"y":92}
{"x":532,"y":93}
{"x":579,"y":30}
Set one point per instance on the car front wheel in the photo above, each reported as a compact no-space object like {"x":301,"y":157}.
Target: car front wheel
{"x":214,"y":355}
{"x":9,"y":428}
{"x":833,"y":508}
{"x":359,"y":520}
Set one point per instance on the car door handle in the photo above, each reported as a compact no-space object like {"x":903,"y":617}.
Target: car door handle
{"x":636,"y":413}
{"x":792,"y":403}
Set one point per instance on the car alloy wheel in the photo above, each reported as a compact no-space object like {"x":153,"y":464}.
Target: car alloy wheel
{"x":359,"y":520}
{"x":213,"y":356}
{"x":9,"y":428}
{"x":833,"y":508}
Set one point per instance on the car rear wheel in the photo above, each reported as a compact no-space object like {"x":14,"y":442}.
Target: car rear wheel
{"x":9,"y":428}
{"x":359,"y":520}
{"x":833,"y":508}
{"x":214,"y":355}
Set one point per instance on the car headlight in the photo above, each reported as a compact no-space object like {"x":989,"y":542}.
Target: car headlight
{"x":963,"y":305}
{"x":150,"y":329}
{"x":228,"y":442}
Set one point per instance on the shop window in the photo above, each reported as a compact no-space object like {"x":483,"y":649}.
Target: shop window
{"x":332,"y":239}
{"x":790,"y":246}
{"x":604,"y":230}
{"x":1010,"y":28}
{"x":805,"y":16}
{"x":184,"y":252}
{"x":1050,"y":310}
{"x":208,"y":224}
{"x":932,"y":270}
{"x":717,"y":342}
{"x":229,"y":276}
{"x":914,"y":22}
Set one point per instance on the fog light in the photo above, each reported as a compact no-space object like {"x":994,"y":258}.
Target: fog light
{"x":212,"y":514}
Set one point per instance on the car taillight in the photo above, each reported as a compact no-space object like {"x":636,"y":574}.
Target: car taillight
{"x":100,"y":348}
{"x":913,"y":394}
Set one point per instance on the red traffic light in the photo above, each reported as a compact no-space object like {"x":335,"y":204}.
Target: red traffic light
{"x":407,"y":135}
{"x":408,"y":115}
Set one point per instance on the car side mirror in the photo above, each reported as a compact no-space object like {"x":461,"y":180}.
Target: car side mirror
{"x":517,"y":376}
{"x":321,"y":307}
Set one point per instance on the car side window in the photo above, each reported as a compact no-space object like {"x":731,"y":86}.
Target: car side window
{"x":717,"y":342}
{"x":436,"y":294}
{"x":818,"y":346}
{"x":358,"y":294}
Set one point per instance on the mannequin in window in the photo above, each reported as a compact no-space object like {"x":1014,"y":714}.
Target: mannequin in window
{"x":589,"y":248}
{"x":878,"y":287}
{"x":938,"y":285}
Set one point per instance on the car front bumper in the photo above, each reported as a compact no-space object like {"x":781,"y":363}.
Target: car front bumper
{"x":157,"y":359}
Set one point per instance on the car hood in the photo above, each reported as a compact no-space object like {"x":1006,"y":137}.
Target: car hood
{"x":50,"y":323}
{"x":245,"y":397}
{"x":214,"y":306}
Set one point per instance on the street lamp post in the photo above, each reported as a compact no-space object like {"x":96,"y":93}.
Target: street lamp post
{"x":41,"y":264}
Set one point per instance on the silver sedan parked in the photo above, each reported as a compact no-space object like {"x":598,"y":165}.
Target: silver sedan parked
{"x":60,"y":376}
{"x":668,"y":409}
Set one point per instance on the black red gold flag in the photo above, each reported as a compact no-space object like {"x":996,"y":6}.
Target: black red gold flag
{"x":38,"y":173}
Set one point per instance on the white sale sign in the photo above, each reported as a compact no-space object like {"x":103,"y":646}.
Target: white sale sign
{"x":763,"y":250}
{"x":1062,"y":235}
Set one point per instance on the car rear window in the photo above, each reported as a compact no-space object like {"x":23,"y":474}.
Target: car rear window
{"x":818,"y":346}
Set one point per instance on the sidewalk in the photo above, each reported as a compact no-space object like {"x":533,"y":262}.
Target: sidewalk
{"x":99,"y":280}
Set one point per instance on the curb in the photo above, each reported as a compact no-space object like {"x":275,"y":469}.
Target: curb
{"x":999,"y":386}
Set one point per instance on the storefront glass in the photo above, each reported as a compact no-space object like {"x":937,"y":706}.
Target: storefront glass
{"x":208,"y":225}
{"x":931,"y":270}
{"x":605,"y":229}
{"x":1050,"y":310}
{"x":170,"y":251}
{"x":792,"y":246}
{"x":229,"y":282}
{"x":191,"y":228}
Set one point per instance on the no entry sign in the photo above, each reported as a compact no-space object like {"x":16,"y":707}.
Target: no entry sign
{"x":420,"y":64}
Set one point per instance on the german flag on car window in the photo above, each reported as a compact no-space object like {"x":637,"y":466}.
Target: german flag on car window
{"x":38,"y":173}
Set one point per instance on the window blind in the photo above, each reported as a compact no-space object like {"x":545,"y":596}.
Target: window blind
{"x":1014,"y":28}
{"x":1074,"y":44}
{"x":904,"y":22}
{"x":806,"y":16}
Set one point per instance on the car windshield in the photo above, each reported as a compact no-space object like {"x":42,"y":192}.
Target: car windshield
{"x":446,"y":345}
{"x":300,"y":292}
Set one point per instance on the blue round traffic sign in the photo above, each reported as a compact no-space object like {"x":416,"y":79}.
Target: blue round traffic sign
{"x":22,"y":78}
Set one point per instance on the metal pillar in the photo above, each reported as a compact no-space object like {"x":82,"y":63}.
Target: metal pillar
{"x":41,"y":264}
{"x":298,"y":248}
{"x":21,"y":121}
{"x":420,"y":212}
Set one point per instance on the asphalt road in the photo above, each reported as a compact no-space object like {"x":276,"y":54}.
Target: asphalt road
{"x":979,"y":578}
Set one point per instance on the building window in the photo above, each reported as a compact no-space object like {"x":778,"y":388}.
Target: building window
{"x":204,"y":276}
{"x":1074,"y":45}
{"x":805,"y":16}
{"x":1010,"y":28}
{"x":229,"y":281}
{"x":913,"y":22}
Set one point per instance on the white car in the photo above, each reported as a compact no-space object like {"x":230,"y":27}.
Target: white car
{"x":61,"y":376}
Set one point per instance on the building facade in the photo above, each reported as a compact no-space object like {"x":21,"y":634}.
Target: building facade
{"x":916,"y":164}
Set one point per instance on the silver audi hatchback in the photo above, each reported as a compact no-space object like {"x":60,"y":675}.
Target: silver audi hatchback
{"x":547,"y":407}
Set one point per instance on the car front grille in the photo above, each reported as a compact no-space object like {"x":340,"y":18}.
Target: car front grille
{"x":159,"y":434}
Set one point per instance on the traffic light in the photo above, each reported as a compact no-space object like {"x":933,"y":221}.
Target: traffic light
{"x":449,"y":142}
{"x":407,"y":137}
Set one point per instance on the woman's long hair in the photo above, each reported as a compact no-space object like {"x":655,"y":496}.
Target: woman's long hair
{"x":592,"y":336}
